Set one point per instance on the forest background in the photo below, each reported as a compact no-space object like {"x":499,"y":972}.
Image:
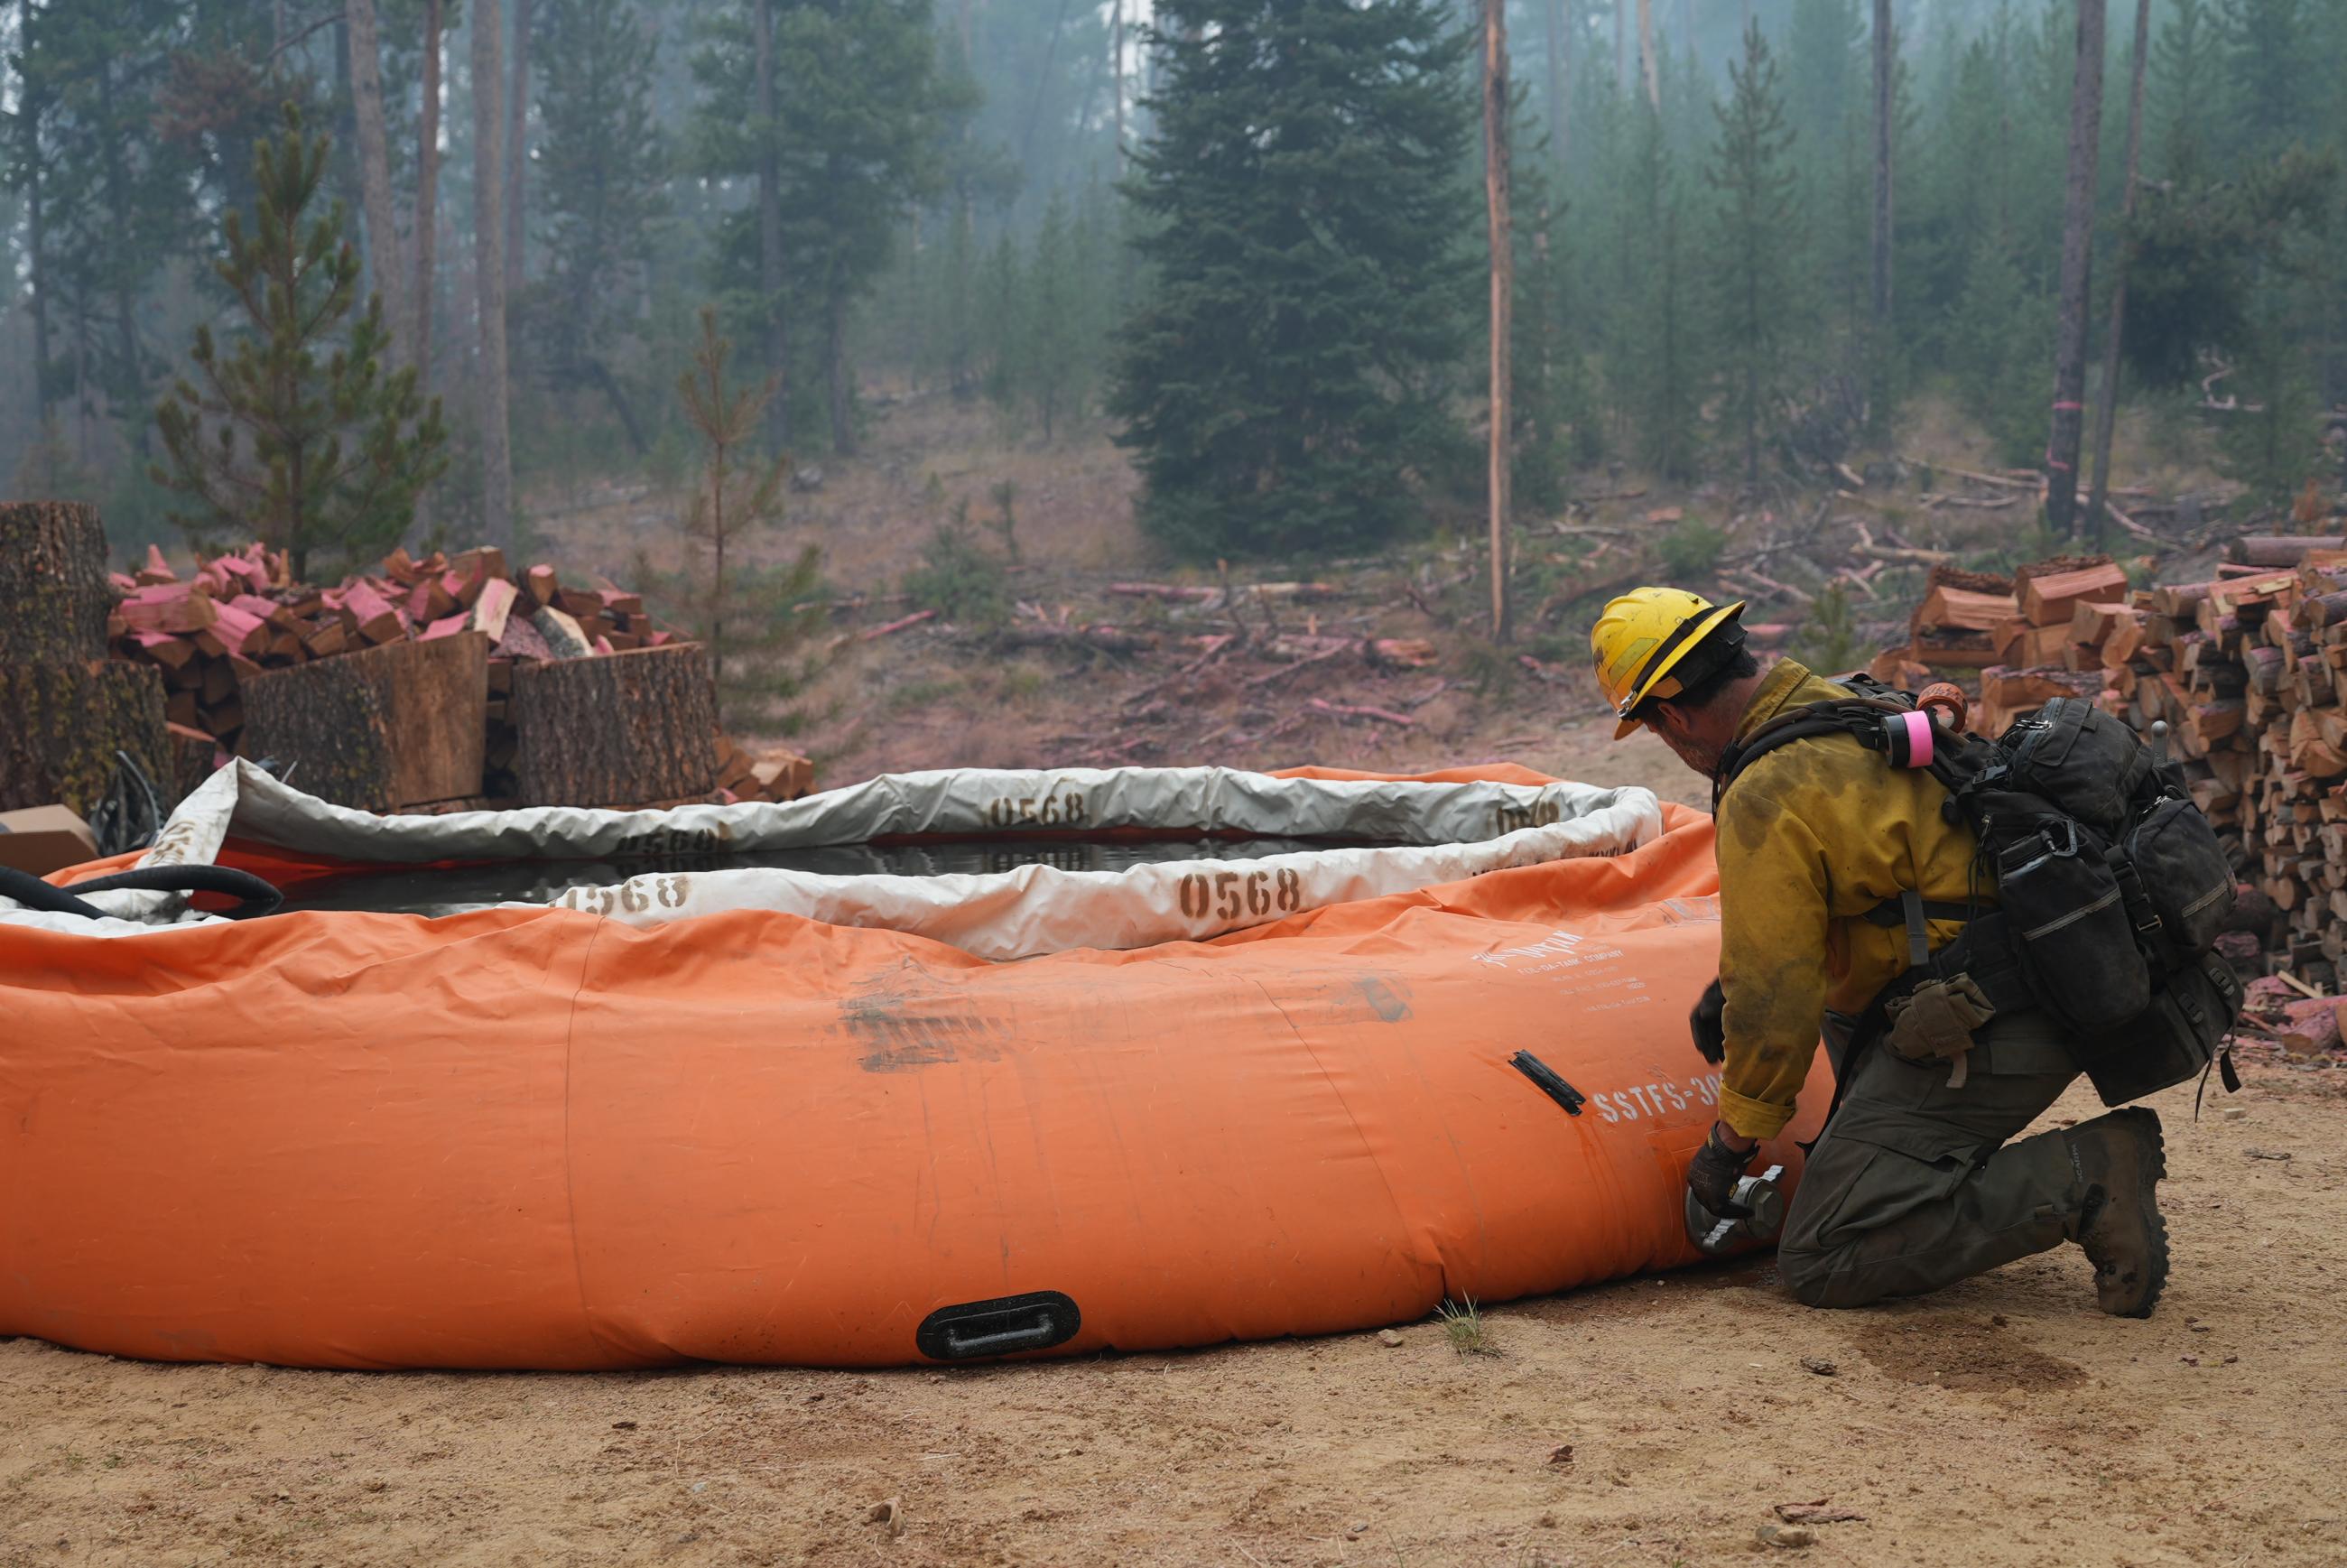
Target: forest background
{"x":1001,"y":201}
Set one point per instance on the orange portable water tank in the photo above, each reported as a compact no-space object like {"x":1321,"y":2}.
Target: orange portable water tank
{"x":544,"y":1137}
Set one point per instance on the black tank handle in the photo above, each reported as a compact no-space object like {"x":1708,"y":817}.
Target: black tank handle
{"x":254,"y":896}
{"x":1003,"y":1325}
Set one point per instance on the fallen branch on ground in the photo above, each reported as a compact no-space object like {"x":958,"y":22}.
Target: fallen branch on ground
{"x":1933,"y":502}
{"x":1095,"y":639}
{"x":1903,"y":555}
{"x":1350,"y":711}
{"x":914,"y":619}
{"x":1216,"y":643}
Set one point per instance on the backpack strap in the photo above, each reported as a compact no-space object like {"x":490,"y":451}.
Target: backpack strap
{"x":1859,"y":717}
{"x":1912,"y":910}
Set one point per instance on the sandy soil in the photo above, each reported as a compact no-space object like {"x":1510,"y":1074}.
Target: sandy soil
{"x":1661,"y":1421}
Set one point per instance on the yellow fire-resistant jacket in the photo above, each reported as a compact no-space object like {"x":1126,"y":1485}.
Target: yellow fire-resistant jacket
{"x":1813,"y":837}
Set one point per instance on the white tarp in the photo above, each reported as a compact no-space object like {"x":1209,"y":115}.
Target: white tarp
{"x":1434,"y":833}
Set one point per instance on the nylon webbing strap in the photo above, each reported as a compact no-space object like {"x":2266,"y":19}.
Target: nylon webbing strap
{"x":1919,"y":945}
{"x":1893,"y":911}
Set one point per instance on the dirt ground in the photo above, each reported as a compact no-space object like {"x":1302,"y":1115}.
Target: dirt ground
{"x":1653,"y":1422}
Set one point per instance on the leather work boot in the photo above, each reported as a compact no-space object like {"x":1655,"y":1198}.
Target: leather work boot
{"x":2120,"y":1160}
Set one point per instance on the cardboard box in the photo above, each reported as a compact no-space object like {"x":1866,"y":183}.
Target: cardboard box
{"x":45,"y":838}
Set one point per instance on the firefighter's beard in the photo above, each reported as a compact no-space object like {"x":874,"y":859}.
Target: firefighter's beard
{"x":1699,"y":754}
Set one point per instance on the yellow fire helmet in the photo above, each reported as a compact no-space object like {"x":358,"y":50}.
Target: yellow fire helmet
{"x":1647,"y":635}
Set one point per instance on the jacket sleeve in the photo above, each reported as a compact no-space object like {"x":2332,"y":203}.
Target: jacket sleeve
{"x":1774,"y":901}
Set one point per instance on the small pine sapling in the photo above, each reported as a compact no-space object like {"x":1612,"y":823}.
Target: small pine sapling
{"x":752,"y":619}
{"x":297,"y":434}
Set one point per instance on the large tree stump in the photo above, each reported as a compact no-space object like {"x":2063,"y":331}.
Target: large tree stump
{"x":393,"y":727}
{"x":54,"y":587}
{"x":62,"y":724}
{"x":193,"y":754}
{"x":618,"y":730}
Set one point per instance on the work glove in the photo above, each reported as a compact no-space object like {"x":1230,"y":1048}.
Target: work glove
{"x":1713,"y":1174}
{"x":1708,"y":1023}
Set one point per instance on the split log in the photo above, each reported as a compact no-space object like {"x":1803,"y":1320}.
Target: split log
{"x":785,"y":777}
{"x":1947,"y":607}
{"x":564,"y":638}
{"x":2090,"y":624}
{"x":2049,"y":598}
{"x":55,"y":589}
{"x":174,"y":606}
{"x":382,"y":729}
{"x":618,"y":730}
{"x":66,"y":721}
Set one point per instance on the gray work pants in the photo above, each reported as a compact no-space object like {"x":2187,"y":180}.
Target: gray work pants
{"x":1914,"y":1184}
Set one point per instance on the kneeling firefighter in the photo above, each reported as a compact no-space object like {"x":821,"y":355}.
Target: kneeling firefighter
{"x":1970,"y":925}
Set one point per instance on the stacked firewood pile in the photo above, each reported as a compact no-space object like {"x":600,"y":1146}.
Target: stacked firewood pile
{"x":2247,"y":670}
{"x":444,"y":683}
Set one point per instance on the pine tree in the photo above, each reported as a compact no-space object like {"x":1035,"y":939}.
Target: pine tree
{"x":1545,"y":386}
{"x":1055,"y":318}
{"x":853,"y":146}
{"x":750,"y":619}
{"x":1997,"y":332}
{"x":2274,"y":74}
{"x":1753,"y":213}
{"x":1653,"y":367}
{"x":297,"y":434}
{"x":603,"y":164}
{"x":112,"y":194}
{"x":2183,"y":78}
{"x":1303,"y":209}
{"x":1003,"y":338}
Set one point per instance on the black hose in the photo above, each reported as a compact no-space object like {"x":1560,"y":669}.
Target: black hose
{"x":255,"y":897}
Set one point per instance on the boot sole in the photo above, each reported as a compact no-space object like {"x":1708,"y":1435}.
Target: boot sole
{"x":2157,"y":1225}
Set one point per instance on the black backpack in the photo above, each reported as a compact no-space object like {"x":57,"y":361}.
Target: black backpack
{"x":2111,"y":886}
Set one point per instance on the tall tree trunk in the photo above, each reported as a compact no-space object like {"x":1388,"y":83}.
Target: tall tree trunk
{"x":2077,"y":276}
{"x":2107,"y":414}
{"x":517,"y":150}
{"x":1686,"y":26}
{"x":1886,"y":54}
{"x":489,"y":268}
{"x":428,"y":190}
{"x":770,"y":234}
{"x":1622,"y":45}
{"x":1116,"y":79}
{"x":838,"y":379}
{"x":1886,"y":108}
{"x":614,"y":395}
{"x":384,"y":269}
{"x":28,"y":129}
{"x":1503,"y":289}
{"x":134,"y":400}
{"x":1646,"y":64}
{"x":1555,"y":41}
